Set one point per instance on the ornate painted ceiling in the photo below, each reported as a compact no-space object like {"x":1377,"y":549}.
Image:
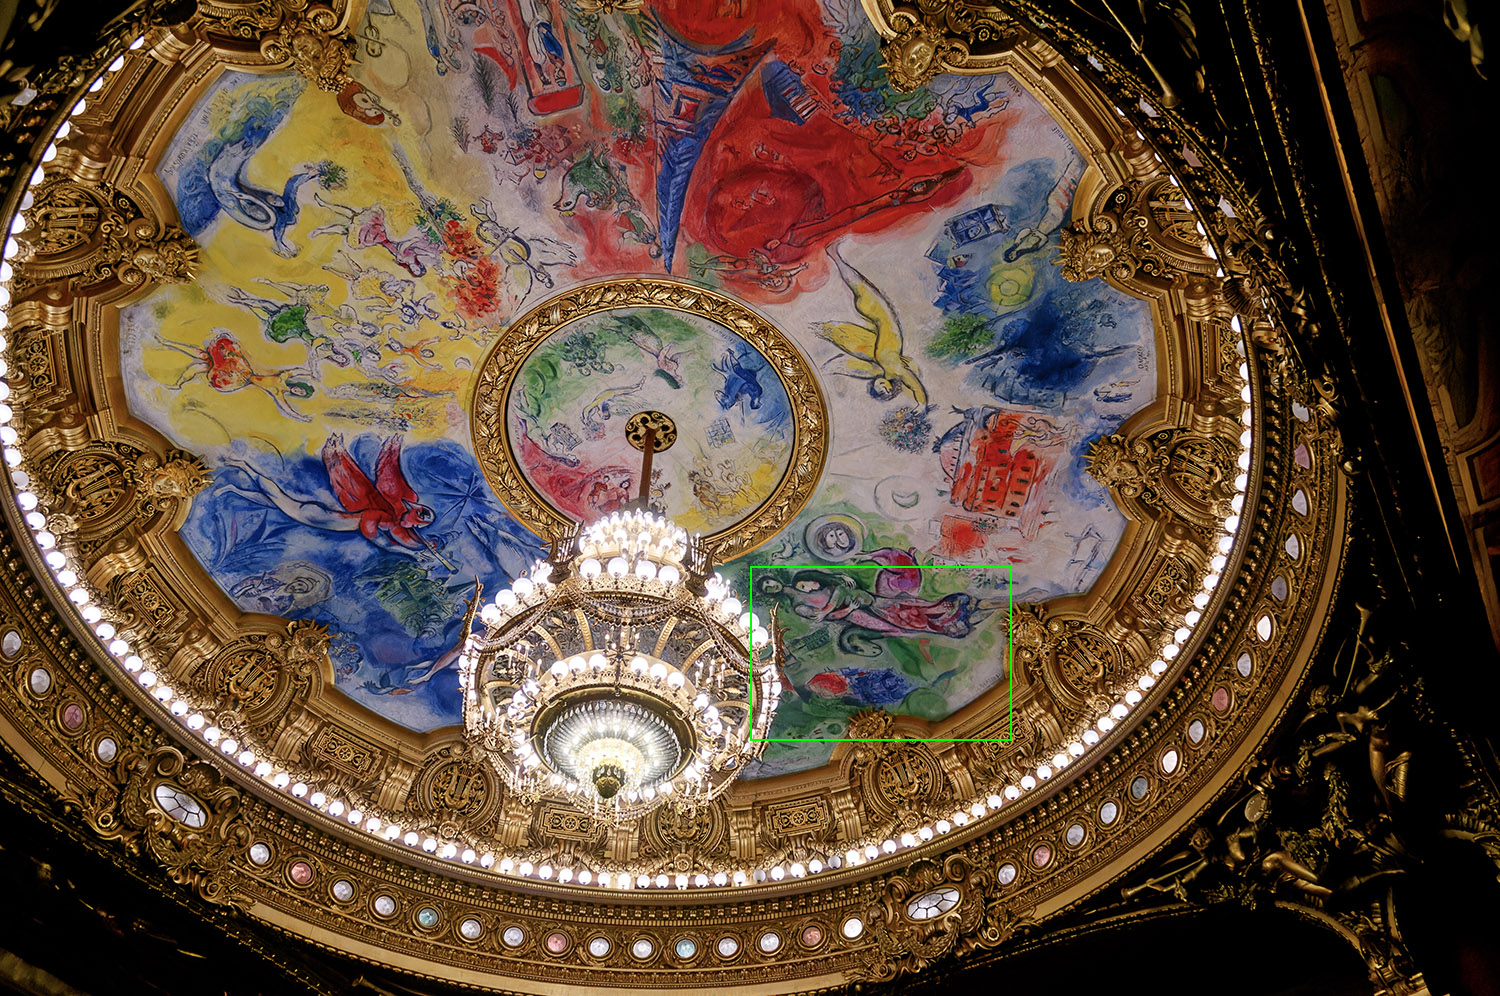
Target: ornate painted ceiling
{"x":323,"y":320}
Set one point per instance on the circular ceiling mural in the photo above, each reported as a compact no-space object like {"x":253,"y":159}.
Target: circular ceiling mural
{"x":557,"y":443}
{"x":332,"y":340}
{"x":357,"y":267}
{"x":595,"y":372}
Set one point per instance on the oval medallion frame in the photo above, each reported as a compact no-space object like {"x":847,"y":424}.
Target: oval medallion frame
{"x":490,"y":402}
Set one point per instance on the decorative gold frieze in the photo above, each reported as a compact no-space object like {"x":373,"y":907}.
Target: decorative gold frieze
{"x":564,"y":823}
{"x":343,"y":750}
{"x":932,"y":910}
{"x":685,"y":833}
{"x":110,"y":237}
{"x":1086,"y":659}
{"x":798,"y":818}
{"x":312,"y":37}
{"x":1106,"y":245}
{"x":92,"y":485}
{"x":39,"y":362}
{"x":1142,"y":228}
{"x":144,"y":603}
{"x":452,"y":789}
{"x":1169,"y":589}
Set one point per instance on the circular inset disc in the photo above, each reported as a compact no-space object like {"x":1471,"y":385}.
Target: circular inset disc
{"x":550,"y":403}
{"x":640,"y":422}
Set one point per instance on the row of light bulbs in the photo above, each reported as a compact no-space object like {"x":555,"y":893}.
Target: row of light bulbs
{"x":528,"y":591}
{"x":615,"y":533}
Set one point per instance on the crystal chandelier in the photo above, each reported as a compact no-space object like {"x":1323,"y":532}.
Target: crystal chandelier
{"x":622,"y":673}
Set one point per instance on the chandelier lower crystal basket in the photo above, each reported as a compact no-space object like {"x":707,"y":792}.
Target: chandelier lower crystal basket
{"x":621,"y":674}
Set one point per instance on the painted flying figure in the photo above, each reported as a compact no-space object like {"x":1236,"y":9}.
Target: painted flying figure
{"x":403,"y":680}
{"x":593,"y":181}
{"x":433,"y":207}
{"x":824,"y":596}
{"x":420,"y":353}
{"x":807,"y":232}
{"x":353,"y":273}
{"x":1034,"y":238}
{"x":385,"y":511}
{"x":222,"y":363}
{"x":398,"y":301}
{"x":364,"y":228}
{"x":874,"y":351}
{"x":459,"y":329}
{"x":982,"y":102}
{"x":668,"y":360}
{"x":605,"y":404}
{"x":756,"y":267}
{"x":296,"y":319}
{"x":526,"y":259}
{"x":256,"y":207}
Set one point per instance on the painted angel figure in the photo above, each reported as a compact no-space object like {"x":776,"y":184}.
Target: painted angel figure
{"x":387,"y":511}
{"x":874,"y":351}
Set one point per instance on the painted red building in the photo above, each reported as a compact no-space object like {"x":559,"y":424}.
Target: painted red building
{"x":996,"y":462}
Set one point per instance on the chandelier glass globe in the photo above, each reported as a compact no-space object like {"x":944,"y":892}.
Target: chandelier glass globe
{"x":621,"y":673}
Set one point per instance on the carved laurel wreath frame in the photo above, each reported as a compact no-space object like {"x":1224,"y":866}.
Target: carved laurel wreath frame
{"x":105,"y":747}
{"x":495,"y":381}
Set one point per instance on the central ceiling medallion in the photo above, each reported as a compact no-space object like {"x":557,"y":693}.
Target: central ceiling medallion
{"x":622,"y":673}
{"x":748,"y":458}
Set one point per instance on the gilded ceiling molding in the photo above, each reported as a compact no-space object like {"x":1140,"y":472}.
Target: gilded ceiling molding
{"x":900,"y":784}
{"x":933,"y":910}
{"x":1144,"y":225}
{"x":1168,"y":473}
{"x":176,"y":810}
{"x":923,"y":38}
{"x":324,"y":749}
{"x":93,"y":235}
{"x":56,"y":85}
{"x":313,"y":38}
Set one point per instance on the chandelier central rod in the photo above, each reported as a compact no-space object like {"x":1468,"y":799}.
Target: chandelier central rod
{"x":648,"y":451}
{"x":651,"y":432}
